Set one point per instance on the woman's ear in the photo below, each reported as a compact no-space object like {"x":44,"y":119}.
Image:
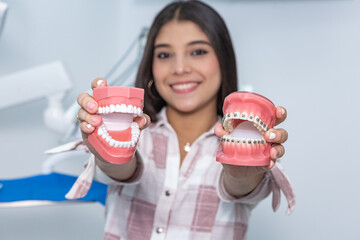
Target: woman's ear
{"x":151,"y":90}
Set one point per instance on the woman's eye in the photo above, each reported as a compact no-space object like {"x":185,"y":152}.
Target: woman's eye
{"x":198,"y":52}
{"x":163,"y":55}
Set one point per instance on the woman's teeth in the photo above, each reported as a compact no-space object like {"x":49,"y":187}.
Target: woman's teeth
{"x":184,"y":86}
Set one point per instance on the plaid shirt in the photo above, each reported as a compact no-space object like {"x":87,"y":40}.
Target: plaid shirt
{"x":165,"y":201}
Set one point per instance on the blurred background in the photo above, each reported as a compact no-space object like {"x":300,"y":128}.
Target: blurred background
{"x":302,"y":54}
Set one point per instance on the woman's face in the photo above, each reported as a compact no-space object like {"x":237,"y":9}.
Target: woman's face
{"x":185,"y":67}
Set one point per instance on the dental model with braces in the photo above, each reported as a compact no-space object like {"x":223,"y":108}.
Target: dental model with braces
{"x":116,"y":138}
{"x":247,"y":116}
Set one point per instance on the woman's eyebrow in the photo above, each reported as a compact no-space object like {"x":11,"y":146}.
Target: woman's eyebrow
{"x":199,"y":42}
{"x":161,"y":45}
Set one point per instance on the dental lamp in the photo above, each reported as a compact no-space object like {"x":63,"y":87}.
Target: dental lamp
{"x":49,"y":81}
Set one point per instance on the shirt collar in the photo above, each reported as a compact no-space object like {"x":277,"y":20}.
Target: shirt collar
{"x":162,"y":118}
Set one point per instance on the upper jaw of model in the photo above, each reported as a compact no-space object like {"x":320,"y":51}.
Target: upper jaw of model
{"x":116,"y":138}
{"x":237,"y":123}
{"x":247,"y":116}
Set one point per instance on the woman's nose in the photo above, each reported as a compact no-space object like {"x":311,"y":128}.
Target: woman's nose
{"x":180,"y":66}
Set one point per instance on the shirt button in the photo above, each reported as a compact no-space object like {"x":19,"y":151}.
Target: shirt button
{"x":167,"y":193}
{"x":159,"y":230}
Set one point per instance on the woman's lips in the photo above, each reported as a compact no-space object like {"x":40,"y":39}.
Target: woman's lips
{"x":184,"y":87}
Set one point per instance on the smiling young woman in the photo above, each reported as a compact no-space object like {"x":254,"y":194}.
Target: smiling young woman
{"x":187,"y":76}
{"x":173,"y":188}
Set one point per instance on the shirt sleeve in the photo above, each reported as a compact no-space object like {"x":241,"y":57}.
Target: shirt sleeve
{"x":134,"y":179}
{"x":261,"y":191}
{"x":274,"y":181}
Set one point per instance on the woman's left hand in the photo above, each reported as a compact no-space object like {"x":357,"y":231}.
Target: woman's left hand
{"x":277,"y":137}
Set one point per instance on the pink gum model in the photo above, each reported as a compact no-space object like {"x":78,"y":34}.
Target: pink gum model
{"x":116,"y":139}
{"x":247,"y":116}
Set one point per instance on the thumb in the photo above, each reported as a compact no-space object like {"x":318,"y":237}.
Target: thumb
{"x":143,"y":121}
{"x":219,"y":130}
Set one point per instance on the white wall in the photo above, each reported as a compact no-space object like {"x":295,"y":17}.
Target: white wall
{"x":304,"y":55}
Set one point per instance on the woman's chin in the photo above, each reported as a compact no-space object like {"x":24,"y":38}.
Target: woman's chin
{"x":184,"y":108}
{"x":188,"y":109}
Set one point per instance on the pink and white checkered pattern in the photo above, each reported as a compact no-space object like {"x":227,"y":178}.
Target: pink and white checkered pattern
{"x":164,"y":201}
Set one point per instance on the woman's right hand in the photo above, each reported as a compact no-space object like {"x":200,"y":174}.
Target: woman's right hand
{"x":89,"y":118}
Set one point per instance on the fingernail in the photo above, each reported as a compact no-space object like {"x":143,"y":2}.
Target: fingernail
{"x":143,"y":121}
{"x":282,"y":111}
{"x":91,"y":105}
{"x":272,"y":136}
{"x":99,"y":82}
{"x":89,"y":126}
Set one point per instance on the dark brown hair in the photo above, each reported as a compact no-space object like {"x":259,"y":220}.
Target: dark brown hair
{"x":215,"y":29}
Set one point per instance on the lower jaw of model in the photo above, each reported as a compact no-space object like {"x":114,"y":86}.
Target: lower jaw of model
{"x":245,"y":145}
{"x":117,"y":137}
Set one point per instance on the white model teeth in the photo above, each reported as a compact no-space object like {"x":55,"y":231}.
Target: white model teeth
{"x":233,"y":140}
{"x":112,"y":108}
{"x":258,"y":123}
{"x":130,"y":109}
{"x":244,"y":116}
{"x":120,"y":108}
{"x":123,"y":108}
{"x":135,"y":134}
{"x":104,"y":135}
{"x":139,"y":112}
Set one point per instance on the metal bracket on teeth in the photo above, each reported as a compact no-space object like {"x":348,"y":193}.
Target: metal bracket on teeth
{"x":258,"y":123}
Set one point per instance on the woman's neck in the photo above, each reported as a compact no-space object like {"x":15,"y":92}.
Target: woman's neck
{"x":191,"y":125}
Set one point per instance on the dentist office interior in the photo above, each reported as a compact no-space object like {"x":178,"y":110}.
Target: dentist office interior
{"x":303,"y":55}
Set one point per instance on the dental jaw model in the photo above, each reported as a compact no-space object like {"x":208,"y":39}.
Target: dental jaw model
{"x":247,"y":116}
{"x":116,"y":139}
